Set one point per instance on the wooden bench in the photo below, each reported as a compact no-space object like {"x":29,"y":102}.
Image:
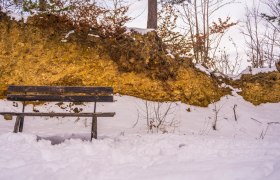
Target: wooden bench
{"x":59,"y":94}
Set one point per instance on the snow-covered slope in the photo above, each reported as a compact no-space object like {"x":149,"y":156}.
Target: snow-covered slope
{"x":246,"y":148}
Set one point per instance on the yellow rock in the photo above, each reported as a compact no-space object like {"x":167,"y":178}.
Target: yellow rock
{"x":8,"y":117}
{"x":41,"y":59}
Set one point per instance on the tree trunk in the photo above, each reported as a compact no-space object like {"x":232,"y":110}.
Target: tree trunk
{"x":152,"y":14}
{"x":277,"y":64}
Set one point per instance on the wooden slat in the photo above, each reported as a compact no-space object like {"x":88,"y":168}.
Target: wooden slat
{"x":61,"y":89}
{"x":99,"y":114}
{"x":58,"y":98}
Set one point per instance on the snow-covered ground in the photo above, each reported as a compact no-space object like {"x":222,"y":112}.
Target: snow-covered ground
{"x":244,"y":149}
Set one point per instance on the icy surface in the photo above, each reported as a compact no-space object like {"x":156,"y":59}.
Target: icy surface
{"x":244,"y":149}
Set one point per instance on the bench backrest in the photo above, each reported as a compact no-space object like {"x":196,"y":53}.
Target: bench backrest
{"x":60,"y":93}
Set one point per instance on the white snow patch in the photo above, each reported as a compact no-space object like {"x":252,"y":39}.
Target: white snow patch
{"x":138,"y":30}
{"x":17,"y":14}
{"x":170,"y":54}
{"x":94,"y":35}
{"x":254,"y":71}
{"x":203,"y":69}
{"x":69,"y":33}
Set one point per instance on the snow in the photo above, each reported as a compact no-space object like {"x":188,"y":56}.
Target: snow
{"x":254,"y":71}
{"x":69,"y":33}
{"x":93,"y":35}
{"x":138,"y":30}
{"x":248,"y":70}
{"x":139,"y":157}
{"x":125,"y":150}
{"x":203,"y":69}
{"x":15,"y":12}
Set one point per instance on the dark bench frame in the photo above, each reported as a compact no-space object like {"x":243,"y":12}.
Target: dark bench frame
{"x":59,"y":94}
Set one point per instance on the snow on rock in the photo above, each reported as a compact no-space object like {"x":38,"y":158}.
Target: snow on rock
{"x":138,"y":30}
{"x":254,"y":71}
{"x":64,"y":40}
{"x":69,"y":33}
{"x":94,"y":35}
{"x":203,"y":69}
{"x":170,"y":54}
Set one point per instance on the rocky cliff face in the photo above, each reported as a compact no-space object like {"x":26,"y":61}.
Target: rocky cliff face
{"x":260,"y":88}
{"x":39,"y":52}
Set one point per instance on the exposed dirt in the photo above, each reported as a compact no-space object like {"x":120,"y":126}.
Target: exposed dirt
{"x":33,"y":54}
{"x":260,"y":88}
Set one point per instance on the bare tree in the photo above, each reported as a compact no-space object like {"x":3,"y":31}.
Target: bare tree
{"x":273,"y":17}
{"x":271,"y":45}
{"x":264,"y":131}
{"x":160,"y":117}
{"x":261,"y":37}
{"x":216,"y":111}
{"x":253,"y":37}
{"x":224,"y":64}
{"x":205,"y":32}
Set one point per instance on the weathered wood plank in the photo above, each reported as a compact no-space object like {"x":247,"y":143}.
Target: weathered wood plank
{"x":58,"y":98}
{"x":61,"y":89}
{"x":98,"y":114}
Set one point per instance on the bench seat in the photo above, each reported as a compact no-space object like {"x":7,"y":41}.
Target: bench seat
{"x":59,"y":94}
{"x":98,"y":114}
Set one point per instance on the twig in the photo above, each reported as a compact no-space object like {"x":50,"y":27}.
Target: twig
{"x":256,"y":120}
{"x":263,"y":133}
{"x":136,"y":120}
{"x":234,"y":111}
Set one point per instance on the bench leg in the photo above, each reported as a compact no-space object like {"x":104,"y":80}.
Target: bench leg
{"x":94,"y":125}
{"x":21,"y":123}
{"x":94,"y":128}
{"x":16,"y":127}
